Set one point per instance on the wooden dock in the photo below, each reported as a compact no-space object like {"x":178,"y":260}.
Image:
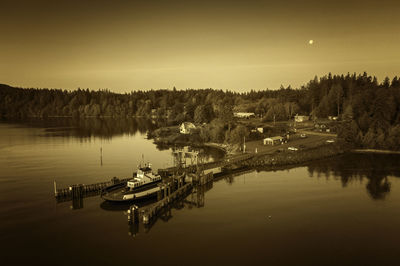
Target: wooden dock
{"x":198,"y":174}
{"x":166,"y":196}
{"x":82,"y":190}
{"x":231,"y":162}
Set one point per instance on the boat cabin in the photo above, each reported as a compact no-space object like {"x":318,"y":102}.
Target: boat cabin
{"x":143,"y":178}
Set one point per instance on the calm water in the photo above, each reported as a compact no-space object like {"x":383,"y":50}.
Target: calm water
{"x":342,"y":211}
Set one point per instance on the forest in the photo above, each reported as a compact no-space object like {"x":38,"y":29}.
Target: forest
{"x":369,"y":111}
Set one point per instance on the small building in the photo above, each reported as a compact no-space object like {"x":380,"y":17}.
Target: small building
{"x":273,"y":140}
{"x":244,"y":115}
{"x":260,"y":129}
{"x":301,"y":118}
{"x":186,"y":128}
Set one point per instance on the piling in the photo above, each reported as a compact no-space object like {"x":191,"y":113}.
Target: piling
{"x":133,"y":214}
{"x":146,"y":218}
{"x":133,"y":229}
{"x":55,"y":188}
{"x":165,"y":196}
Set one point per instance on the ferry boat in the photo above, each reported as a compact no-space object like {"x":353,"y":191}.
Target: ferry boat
{"x":144,"y":184}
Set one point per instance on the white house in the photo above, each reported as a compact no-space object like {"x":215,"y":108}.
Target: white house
{"x":301,"y":118}
{"x":273,"y":140}
{"x":187,"y":128}
{"x":244,"y":115}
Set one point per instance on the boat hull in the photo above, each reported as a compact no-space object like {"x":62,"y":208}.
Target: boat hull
{"x":119,"y":193}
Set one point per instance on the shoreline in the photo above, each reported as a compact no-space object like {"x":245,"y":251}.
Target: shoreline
{"x":287,"y":158}
{"x":375,"y":151}
{"x":274,"y":159}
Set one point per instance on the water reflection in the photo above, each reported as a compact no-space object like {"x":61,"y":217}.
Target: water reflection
{"x":194,"y":199}
{"x":104,"y":128}
{"x":357,"y":167}
{"x":108,"y":206}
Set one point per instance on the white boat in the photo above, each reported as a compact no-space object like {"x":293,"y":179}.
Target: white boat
{"x":144,"y":184}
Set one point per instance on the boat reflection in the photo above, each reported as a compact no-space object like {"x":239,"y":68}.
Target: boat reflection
{"x":124,"y":206}
{"x":194,"y":199}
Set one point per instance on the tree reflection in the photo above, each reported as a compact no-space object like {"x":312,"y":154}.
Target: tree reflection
{"x":355,"y":167}
{"x":86,"y":128}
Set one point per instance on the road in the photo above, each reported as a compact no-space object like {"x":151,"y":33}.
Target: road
{"x":309,"y":132}
{"x":313,"y":139}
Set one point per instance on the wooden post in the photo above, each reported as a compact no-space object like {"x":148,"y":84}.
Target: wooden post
{"x":101,"y":156}
{"x":159,"y":195}
{"x":133,"y":214}
{"x":55,"y":189}
{"x":146,"y":218}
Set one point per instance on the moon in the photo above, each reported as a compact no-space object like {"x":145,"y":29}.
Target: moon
{"x":310,"y":41}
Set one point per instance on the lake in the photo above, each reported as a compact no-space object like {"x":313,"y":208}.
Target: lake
{"x":337,"y":211}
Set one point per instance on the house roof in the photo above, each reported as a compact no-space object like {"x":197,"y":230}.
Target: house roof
{"x":274,"y":138}
{"x":188,"y":124}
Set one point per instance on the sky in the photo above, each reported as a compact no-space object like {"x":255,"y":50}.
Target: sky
{"x":229,"y":45}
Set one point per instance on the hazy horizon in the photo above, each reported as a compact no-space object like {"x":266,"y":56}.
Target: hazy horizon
{"x":116,"y":90}
{"x":230,"y":45}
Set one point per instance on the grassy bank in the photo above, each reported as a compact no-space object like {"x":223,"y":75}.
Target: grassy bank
{"x":293,"y":157}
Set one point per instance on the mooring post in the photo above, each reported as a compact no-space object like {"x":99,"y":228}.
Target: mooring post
{"x":101,"y":156}
{"x":81,"y":190}
{"x":133,"y":214}
{"x":146,"y":218}
{"x":55,"y":189}
{"x":159,"y":195}
{"x":71,"y":189}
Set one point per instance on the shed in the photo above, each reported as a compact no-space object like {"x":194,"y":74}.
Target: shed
{"x":244,"y":115}
{"x":301,"y":118}
{"x":273,"y":140}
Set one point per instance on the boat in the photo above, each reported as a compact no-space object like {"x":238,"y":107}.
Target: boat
{"x":144,"y":184}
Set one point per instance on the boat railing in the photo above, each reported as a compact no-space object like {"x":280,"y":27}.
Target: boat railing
{"x":113,"y":187}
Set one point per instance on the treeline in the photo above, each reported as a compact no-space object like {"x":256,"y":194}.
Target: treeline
{"x":370,"y":111}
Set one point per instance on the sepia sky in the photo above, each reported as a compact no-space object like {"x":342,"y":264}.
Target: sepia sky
{"x":236,"y":45}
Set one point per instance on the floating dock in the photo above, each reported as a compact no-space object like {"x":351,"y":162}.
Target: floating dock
{"x":82,"y":190}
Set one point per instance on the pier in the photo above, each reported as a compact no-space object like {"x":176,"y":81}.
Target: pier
{"x":232,"y":162}
{"x":82,"y":190}
{"x":177,"y":182}
{"x":169,"y":192}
